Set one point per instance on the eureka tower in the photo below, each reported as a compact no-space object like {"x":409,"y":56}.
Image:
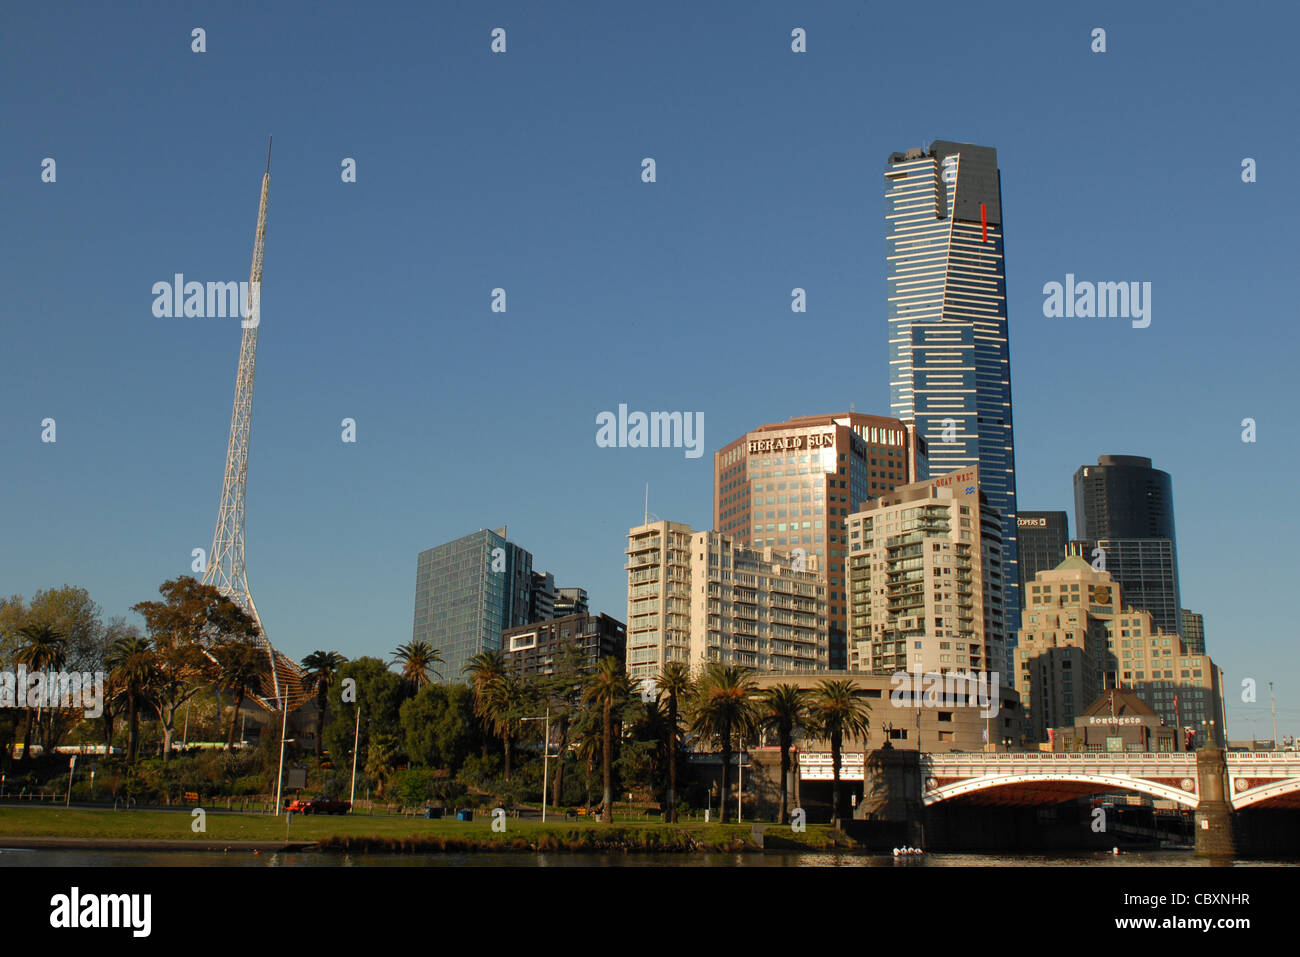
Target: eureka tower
{"x":949,"y":363}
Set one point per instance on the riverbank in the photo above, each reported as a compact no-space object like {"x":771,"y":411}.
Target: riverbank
{"x":162,"y":830}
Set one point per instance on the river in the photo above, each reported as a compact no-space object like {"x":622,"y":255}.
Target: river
{"x":43,"y":857}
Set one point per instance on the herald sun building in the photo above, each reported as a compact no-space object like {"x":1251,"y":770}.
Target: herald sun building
{"x":791,"y":486}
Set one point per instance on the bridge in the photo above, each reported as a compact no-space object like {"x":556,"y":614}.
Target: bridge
{"x":1263,"y":779}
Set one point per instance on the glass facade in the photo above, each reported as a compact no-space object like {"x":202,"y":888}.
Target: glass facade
{"x":467,"y":592}
{"x":949,"y":359}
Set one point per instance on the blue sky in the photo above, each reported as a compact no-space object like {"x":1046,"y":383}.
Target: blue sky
{"x":522,"y":171}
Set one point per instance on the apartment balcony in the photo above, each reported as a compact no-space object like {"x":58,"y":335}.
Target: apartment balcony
{"x":643,"y":559}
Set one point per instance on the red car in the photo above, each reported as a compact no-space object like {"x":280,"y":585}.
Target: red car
{"x":318,"y":806}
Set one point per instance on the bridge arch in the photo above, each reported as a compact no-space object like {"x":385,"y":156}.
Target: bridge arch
{"x":1269,"y":791}
{"x":1102,"y":782}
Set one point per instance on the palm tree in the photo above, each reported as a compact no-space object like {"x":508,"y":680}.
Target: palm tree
{"x":723,"y":706}
{"x":41,"y":648}
{"x":484,"y":669}
{"x":132,"y":671}
{"x":607,"y":688}
{"x":504,"y":698}
{"x":418,"y":658}
{"x":836,"y":711}
{"x":783,"y":709}
{"x":322,"y":669}
{"x":674,"y":683}
{"x":240,"y":666}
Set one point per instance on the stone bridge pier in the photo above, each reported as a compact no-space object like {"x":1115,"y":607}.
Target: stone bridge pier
{"x":1215,"y":831}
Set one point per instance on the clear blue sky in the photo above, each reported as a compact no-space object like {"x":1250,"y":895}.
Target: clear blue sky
{"x":522,"y":171}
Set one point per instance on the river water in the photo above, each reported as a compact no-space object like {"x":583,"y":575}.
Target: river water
{"x":42,"y":857}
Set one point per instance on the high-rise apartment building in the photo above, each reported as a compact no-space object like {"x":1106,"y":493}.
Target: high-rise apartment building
{"x":927,"y":580}
{"x":535,"y":649}
{"x":1041,"y":540}
{"x":467,"y":592}
{"x":571,"y":601}
{"x":1081,"y":635}
{"x":949,"y":359}
{"x":791,"y":486}
{"x":542,"y":599}
{"x":701,"y":597}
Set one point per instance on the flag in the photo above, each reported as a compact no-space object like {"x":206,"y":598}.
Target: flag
{"x":986,"y":735}
{"x":1051,"y":736}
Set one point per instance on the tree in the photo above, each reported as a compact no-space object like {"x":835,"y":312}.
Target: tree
{"x":484,"y":669}
{"x":838,"y":710}
{"x":322,"y":670}
{"x":438,"y":726}
{"x":561,"y":692}
{"x":131,"y":676}
{"x":378,"y":692}
{"x":782,"y":709}
{"x":418,"y":658}
{"x":606,"y":689}
{"x":674,"y":683}
{"x":241,"y":666}
{"x":723,"y":706}
{"x":42,"y":648}
{"x":502,"y":702}
{"x":186,"y":628}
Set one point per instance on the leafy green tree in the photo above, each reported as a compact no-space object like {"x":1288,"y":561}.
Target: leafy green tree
{"x":607,"y":689}
{"x":561,"y":693}
{"x":838,"y":710}
{"x":321,"y":669}
{"x":784,"y":710}
{"x":674,"y":683}
{"x":418,"y":658}
{"x":438,"y":726}
{"x":721,"y":707}
{"x":378,"y":692}
{"x":186,"y":628}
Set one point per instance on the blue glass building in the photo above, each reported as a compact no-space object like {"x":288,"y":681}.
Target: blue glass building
{"x":467,"y":592}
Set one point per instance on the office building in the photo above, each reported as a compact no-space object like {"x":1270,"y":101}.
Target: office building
{"x":791,"y":486}
{"x":1081,"y":636}
{"x":701,"y":597}
{"x":1147,"y":570}
{"x":1042,"y":539}
{"x":1193,"y":631}
{"x":467,"y":592}
{"x":927,"y":580}
{"x":534,"y":650}
{"x":949,"y":358}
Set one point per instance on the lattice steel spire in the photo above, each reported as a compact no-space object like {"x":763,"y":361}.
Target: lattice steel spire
{"x":226,"y":570}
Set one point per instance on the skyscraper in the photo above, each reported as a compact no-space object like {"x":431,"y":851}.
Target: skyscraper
{"x":467,"y":592}
{"x":1125,"y":507}
{"x":949,"y":360}
{"x":792,"y":485}
{"x":1043,"y":536}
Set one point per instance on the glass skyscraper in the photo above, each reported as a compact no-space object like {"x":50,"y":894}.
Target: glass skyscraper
{"x":949,"y":362}
{"x":467,"y":592}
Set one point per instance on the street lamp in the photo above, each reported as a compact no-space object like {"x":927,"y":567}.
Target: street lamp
{"x":284,"y":729}
{"x":546,"y":753}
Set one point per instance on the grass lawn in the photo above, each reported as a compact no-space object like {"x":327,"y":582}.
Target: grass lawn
{"x":392,"y":833}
